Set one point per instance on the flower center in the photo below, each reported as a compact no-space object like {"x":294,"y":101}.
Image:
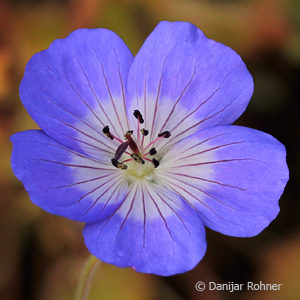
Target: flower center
{"x":139,"y":171}
{"x":140,"y":161}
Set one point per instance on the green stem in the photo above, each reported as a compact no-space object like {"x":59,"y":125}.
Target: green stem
{"x":86,"y":278}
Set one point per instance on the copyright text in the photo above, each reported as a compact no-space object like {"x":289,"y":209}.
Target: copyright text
{"x":232,"y":286}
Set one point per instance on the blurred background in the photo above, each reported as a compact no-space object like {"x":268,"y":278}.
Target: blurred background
{"x":41,"y":255}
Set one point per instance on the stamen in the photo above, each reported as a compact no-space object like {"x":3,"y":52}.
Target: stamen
{"x":155,"y":162}
{"x":152,"y":151}
{"x":121,"y":150}
{"x":137,"y":158}
{"x":139,"y":116}
{"x":144,"y":132}
{"x":106,"y":131}
{"x":118,"y":164}
{"x":165,"y":134}
{"x":139,"y":153}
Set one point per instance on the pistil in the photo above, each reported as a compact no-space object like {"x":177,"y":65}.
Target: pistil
{"x":133,"y":146}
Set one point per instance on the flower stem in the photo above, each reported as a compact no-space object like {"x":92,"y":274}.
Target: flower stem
{"x":86,"y":278}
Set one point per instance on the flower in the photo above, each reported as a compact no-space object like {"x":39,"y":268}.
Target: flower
{"x":141,"y":150}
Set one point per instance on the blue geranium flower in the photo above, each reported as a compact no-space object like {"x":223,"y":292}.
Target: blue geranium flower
{"x":140,"y":148}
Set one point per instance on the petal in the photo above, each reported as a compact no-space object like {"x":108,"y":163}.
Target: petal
{"x":234,"y":176}
{"x":152,"y":231}
{"x":65,"y":182}
{"x":182,"y":81}
{"x":76,"y":87}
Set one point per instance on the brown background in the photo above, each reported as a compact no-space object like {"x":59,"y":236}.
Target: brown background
{"x":41,"y":255}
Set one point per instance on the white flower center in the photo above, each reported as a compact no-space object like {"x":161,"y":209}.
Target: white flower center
{"x":139,"y":171}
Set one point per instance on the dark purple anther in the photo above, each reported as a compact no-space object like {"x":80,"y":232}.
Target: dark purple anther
{"x":120,"y":151}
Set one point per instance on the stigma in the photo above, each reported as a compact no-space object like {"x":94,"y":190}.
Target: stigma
{"x":136,"y":151}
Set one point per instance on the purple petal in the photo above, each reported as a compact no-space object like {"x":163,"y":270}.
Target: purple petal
{"x":234,"y":177}
{"x":62,"y":181}
{"x":181,"y":81}
{"x":152,"y":231}
{"x":76,"y":87}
